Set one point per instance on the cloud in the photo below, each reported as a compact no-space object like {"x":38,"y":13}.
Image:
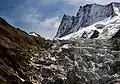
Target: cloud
{"x":48,"y":1}
{"x":46,"y":27}
{"x":75,"y":2}
{"x":51,"y":23}
{"x":82,"y":2}
{"x":30,"y":18}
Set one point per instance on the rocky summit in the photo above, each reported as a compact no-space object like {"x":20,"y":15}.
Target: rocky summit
{"x":77,"y":58}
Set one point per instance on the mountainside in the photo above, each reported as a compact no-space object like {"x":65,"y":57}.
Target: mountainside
{"x":29,"y":59}
{"x":16,"y":50}
{"x":91,"y":18}
{"x":77,"y":58}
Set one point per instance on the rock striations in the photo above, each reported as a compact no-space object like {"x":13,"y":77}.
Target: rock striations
{"x":88,"y":15}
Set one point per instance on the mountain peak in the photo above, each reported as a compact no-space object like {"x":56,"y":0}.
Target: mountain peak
{"x":86,"y":16}
{"x":66,"y":16}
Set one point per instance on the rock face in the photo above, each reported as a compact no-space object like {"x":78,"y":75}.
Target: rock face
{"x":94,"y":35}
{"x":117,"y":35}
{"x":87,"y":16}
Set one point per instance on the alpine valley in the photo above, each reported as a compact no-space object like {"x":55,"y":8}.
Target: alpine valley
{"x":85,"y":50}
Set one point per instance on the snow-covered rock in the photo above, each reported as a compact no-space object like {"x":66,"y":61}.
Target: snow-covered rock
{"x":105,"y":19}
{"x":34,"y":34}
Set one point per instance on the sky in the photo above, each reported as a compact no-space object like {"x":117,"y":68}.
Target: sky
{"x":41,"y":16}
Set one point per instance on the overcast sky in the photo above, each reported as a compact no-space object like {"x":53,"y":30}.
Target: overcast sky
{"x":41,"y":16}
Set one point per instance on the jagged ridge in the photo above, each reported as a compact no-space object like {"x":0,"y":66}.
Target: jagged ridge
{"x":86,"y":16}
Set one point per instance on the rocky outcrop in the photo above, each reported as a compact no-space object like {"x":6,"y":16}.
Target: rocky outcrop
{"x":117,"y":35}
{"x":95,"y":34}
